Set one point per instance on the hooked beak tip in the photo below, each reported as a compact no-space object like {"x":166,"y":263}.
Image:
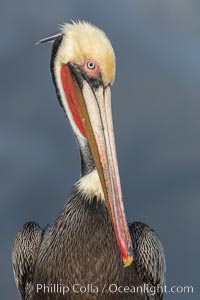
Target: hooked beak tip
{"x":127,"y":261}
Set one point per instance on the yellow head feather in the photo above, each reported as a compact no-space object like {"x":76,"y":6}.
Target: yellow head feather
{"x":82,"y":40}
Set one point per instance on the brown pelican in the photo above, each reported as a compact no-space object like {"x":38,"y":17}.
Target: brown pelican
{"x":89,"y":252}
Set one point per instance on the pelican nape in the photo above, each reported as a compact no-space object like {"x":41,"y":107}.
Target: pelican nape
{"x":90,"y":242}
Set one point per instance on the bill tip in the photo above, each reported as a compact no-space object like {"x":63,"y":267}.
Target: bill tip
{"x":127,"y":261}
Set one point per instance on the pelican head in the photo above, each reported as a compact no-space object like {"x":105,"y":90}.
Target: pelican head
{"x":83,"y":70}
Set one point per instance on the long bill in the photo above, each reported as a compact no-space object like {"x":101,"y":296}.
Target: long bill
{"x":93,"y":108}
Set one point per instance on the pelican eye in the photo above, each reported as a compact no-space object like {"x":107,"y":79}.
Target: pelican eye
{"x":90,"y":65}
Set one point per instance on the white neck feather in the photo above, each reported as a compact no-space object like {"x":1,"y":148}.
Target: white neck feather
{"x":90,"y":186}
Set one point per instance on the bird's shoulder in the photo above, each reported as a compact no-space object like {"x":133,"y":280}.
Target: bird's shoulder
{"x":149,"y":257}
{"x":24,"y":254}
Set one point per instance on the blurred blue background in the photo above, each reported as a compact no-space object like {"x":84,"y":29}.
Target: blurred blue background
{"x":156,"y":111}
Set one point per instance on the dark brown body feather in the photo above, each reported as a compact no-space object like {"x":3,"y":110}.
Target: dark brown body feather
{"x":80,"y":248}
